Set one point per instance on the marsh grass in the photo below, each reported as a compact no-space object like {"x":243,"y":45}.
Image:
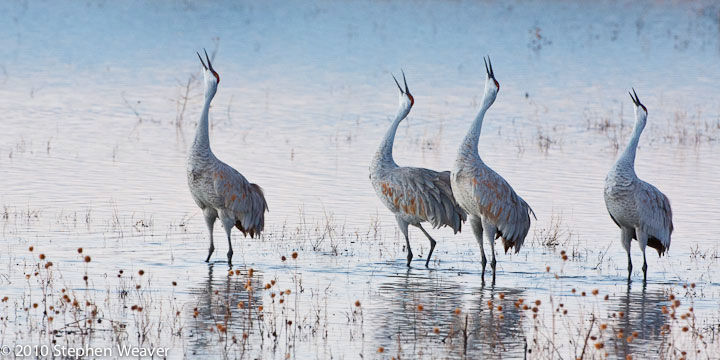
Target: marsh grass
{"x":555,"y":234}
{"x":681,"y":127}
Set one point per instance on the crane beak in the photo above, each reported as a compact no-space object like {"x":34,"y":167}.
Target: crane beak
{"x":407,"y":91}
{"x":210,"y":66}
{"x":201,"y":60}
{"x":636,"y":100}
{"x":488,"y":68}
{"x":490,"y":72}
{"x":398,"y":84}
{"x":208,"y":60}
{"x":636,"y":97}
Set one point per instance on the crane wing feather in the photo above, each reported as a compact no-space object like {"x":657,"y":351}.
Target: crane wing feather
{"x":499,"y":203}
{"x":246,"y":201}
{"x":655,"y":215}
{"x":422,"y":193}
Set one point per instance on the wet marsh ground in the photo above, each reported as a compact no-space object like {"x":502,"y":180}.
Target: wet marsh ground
{"x":102,"y":244}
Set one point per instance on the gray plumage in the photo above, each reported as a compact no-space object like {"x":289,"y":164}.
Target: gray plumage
{"x":494,"y":207}
{"x":640,"y":210}
{"x":218,"y":189}
{"x":414,"y":195}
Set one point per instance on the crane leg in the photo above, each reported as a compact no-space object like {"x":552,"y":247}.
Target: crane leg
{"x":477,"y":228}
{"x":625,"y":239}
{"x":490,"y":231}
{"x":228,"y":224}
{"x":642,"y":241}
{"x":210,"y":217}
{"x":404,"y":229}
{"x":432,"y":244}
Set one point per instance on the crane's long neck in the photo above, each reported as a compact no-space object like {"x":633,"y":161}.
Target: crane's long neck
{"x":384,"y":152}
{"x":628,"y":156}
{"x":470,"y":144}
{"x":202,"y":138}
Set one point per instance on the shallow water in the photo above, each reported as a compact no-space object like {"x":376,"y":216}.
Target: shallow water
{"x":93,"y":148}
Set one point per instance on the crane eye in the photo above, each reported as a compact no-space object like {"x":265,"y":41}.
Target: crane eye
{"x":216,"y":76}
{"x":497,"y":84}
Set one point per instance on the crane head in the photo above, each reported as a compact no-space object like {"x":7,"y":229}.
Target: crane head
{"x":491,"y":74}
{"x":405,"y":96}
{"x":636,"y":101}
{"x":209,"y":68}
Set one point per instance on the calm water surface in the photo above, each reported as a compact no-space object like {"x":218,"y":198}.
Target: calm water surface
{"x":94,"y":140}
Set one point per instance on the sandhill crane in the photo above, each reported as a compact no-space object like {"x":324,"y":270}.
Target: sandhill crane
{"x":640,"y":210}
{"x":493,"y":206}
{"x":218,"y":189}
{"x":414,"y":195}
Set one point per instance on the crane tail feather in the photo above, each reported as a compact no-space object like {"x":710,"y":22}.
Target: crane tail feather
{"x":656,"y":244}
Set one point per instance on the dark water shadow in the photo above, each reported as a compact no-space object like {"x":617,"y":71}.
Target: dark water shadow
{"x":638,"y":310}
{"x":471,"y":321}
{"x":217,"y":315}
